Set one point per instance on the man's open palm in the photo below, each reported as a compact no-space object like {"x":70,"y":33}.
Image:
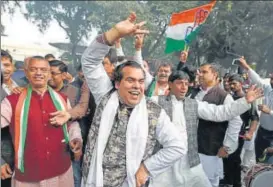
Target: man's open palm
{"x":128,"y":27}
{"x":253,"y":93}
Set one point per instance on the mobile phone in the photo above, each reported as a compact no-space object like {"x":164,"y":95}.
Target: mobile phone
{"x":236,"y":61}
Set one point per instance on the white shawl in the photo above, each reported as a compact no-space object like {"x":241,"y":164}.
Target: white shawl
{"x":136,"y":139}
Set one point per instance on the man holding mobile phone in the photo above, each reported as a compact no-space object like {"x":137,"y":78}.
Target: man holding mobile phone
{"x":232,"y":164}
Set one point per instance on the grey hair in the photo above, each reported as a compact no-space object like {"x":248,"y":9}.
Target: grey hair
{"x":29,"y":59}
{"x":164,"y":64}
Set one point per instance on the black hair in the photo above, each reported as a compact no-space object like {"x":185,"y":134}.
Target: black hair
{"x":118,"y":74}
{"x":47,"y":56}
{"x":191,"y":71}
{"x":121,"y":58}
{"x":57,"y":63}
{"x":177,"y":74}
{"x":112,"y":56}
{"x":214,"y":67}
{"x":5,"y":54}
{"x":226,"y":76}
{"x":236,"y":77}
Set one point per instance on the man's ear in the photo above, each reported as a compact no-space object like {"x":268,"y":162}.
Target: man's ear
{"x":117,"y":85}
{"x":64,"y":76}
{"x":26,"y":73}
{"x":13,"y":67}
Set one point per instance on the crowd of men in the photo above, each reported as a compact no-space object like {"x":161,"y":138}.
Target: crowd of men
{"x":116,"y":125}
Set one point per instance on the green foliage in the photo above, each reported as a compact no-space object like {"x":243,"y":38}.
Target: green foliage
{"x":7,"y":6}
{"x":244,"y":27}
{"x":156,"y":13}
{"x":71,"y":16}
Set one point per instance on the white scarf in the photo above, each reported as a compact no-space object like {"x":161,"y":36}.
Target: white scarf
{"x":136,"y":139}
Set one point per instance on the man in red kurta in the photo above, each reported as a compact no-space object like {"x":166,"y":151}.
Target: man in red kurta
{"x":42,"y":157}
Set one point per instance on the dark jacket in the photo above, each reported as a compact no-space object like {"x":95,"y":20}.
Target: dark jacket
{"x":7,"y":150}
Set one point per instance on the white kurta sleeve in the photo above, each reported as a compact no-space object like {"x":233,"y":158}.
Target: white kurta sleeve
{"x":138,"y":58}
{"x":256,"y":79}
{"x":219,"y":113}
{"x":174,"y":146}
{"x":233,"y":130}
{"x":120,"y":51}
{"x":74,"y":129}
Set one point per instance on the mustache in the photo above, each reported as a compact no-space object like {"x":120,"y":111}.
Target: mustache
{"x":37,"y":77}
{"x":163,"y":75}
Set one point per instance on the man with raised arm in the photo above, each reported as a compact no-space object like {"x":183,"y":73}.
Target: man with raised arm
{"x":265,"y":132}
{"x":126,"y":125}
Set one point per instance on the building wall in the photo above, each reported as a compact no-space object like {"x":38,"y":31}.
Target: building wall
{"x":20,"y":51}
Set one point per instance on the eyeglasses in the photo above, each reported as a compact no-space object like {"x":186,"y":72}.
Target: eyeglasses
{"x":55,"y":73}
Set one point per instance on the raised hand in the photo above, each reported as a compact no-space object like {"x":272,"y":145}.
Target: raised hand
{"x":68,"y":77}
{"x":183,"y":56}
{"x":139,"y":38}
{"x":253,"y":94}
{"x":128,"y":27}
{"x":125,"y":28}
{"x":243,"y":63}
{"x":118,"y":43}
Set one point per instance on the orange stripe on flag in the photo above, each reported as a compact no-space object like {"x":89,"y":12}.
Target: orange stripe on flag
{"x":189,"y":16}
{"x":18,"y":109}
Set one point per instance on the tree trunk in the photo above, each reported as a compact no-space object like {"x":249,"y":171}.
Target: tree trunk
{"x":74,"y":56}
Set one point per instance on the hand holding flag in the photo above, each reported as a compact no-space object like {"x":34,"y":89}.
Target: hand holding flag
{"x":184,"y":27}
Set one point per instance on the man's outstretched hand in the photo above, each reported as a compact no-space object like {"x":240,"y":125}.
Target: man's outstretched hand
{"x":139,"y":39}
{"x":125,"y":28}
{"x":253,"y":93}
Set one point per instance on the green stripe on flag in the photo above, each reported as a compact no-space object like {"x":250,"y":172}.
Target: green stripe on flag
{"x":178,"y":45}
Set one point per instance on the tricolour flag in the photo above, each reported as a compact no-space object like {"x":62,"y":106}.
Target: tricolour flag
{"x":184,"y":27}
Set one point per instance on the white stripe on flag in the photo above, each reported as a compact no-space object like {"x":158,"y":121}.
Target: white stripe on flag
{"x":177,"y":32}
